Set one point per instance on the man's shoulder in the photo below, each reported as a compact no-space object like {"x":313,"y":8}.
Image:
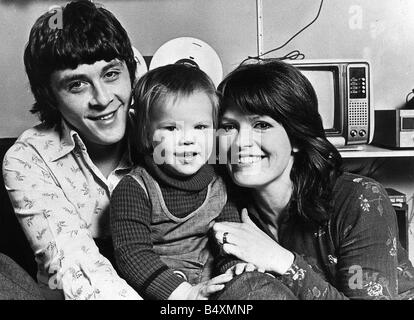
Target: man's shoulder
{"x":39,"y":133}
{"x":37,"y":138}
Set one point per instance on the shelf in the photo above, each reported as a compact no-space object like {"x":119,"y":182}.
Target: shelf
{"x":370,"y":151}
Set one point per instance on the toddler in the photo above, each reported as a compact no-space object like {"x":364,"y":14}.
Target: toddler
{"x":162,"y":211}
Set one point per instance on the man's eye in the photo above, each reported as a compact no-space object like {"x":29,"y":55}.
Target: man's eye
{"x":76,"y":86}
{"x":262,"y":125}
{"x":112,"y":75}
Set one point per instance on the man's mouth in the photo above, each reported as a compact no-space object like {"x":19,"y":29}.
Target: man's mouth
{"x":104,"y":117}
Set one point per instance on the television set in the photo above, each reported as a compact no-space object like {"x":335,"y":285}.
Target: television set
{"x":343,"y":89}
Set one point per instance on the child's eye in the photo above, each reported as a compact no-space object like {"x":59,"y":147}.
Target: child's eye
{"x":262,"y":125}
{"x":201,"y":126}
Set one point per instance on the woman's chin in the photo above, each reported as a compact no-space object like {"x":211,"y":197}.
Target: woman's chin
{"x":247,"y":178}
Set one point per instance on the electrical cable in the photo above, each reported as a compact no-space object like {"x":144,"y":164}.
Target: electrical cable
{"x":295,"y":54}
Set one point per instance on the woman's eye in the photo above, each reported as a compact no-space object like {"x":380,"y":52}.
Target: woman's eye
{"x":170,"y":128}
{"x":262,"y":125}
{"x":227,"y":127}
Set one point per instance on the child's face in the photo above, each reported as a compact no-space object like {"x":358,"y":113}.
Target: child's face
{"x":182,"y":133}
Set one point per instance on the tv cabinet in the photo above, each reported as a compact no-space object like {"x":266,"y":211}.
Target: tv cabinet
{"x":370,"y":151}
{"x":393,"y":168}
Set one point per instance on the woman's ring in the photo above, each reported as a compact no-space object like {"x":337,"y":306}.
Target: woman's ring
{"x":225,"y":237}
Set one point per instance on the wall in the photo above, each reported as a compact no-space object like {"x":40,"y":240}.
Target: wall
{"x":379,"y":30}
{"x":228,"y":26}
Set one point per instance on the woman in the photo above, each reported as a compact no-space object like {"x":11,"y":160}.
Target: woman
{"x":323,"y":233}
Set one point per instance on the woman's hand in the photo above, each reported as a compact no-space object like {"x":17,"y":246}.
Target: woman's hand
{"x":247,"y":242}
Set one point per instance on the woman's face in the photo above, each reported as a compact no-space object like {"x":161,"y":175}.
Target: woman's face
{"x":257,"y":149}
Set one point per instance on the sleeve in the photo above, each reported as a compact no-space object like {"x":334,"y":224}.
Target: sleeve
{"x":131,"y":232}
{"x":64,"y":249}
{"x":367,"y":254}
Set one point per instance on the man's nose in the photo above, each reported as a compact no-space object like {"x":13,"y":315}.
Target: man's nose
{"x":102,"y":96}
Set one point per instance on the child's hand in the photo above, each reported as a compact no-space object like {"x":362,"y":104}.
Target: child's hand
{"x":203,"y":290}
{"x":241,"y":267}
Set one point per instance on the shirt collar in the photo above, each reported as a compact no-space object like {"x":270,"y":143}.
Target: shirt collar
{"x":70,"y":139}
{"x":66,"y":143}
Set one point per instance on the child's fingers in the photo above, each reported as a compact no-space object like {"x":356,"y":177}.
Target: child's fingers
{"x":221,"y":279}
{"x":250,"y":267}
{"x":209,"y":289}
{"x":230,"y":271}
{"x":239,"y":268}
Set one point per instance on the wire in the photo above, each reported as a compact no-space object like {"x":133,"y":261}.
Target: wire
{"x":295,"y":54}
{"x":409,"y":93}
{"x":296,"y":34}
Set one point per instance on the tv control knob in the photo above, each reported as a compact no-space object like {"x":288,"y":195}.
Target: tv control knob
{"x":362,"y":133}
{"x":353,"y":133}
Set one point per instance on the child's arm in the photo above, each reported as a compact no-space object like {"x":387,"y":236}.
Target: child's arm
{"x":131,"y":233}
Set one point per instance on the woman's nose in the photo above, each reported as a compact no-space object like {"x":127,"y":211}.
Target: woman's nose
{"x":244,"y":138}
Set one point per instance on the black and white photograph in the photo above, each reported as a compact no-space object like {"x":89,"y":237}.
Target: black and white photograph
{"x":207,"y":158}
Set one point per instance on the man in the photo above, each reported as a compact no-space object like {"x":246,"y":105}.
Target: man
{"x":60,"y":174}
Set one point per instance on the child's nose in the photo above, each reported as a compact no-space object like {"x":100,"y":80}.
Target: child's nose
{"x":187,"y":137}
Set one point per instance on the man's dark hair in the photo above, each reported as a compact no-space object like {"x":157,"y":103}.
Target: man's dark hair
{"x":89,"y":33}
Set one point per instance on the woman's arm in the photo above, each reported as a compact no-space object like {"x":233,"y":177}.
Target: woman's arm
{"x":248,"y":243}
{"x":367,"y":263}
{"x":368,"y":234}
{"x":62,"y":244}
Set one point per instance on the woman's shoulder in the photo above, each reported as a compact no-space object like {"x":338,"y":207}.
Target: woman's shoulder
{"x":356,"y":196}
{"x":349,"y":184}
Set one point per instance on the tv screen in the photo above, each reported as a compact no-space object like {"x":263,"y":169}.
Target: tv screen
{"x":323,"y":81}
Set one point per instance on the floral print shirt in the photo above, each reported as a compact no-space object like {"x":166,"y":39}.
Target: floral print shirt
{"x":61,"y":200}
{"x":364,"y":232}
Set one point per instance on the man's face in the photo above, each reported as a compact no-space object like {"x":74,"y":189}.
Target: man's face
{"x":94,"y":99}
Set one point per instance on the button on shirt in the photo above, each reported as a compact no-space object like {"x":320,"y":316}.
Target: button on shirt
{"x":61,"y":200}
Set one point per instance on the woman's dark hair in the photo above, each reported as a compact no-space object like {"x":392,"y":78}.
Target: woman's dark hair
{"x":279,"y":90}
{"x":156,"y":86}
{"x":88,"y":33}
